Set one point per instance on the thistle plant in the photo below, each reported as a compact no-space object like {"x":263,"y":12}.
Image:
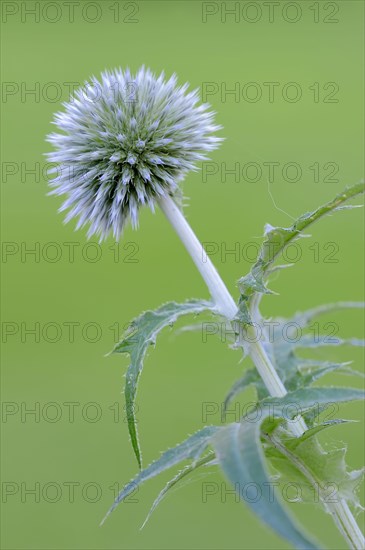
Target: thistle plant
{"x":131,"y":146}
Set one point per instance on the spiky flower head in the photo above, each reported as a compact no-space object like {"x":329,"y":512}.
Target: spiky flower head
{"x":127,"y":141}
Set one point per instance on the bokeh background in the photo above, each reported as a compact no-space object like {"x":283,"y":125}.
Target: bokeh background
{"x":98,"y":292}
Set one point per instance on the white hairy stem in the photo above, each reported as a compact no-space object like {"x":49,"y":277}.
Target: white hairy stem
{"x":227,"y":307}
{"x":218,"y":290}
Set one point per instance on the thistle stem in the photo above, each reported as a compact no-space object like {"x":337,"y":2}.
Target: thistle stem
{"x":227,"y":307}
{"x":218,"y":290}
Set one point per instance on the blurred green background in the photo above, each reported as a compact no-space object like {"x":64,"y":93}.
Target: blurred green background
{"x":91,"y":452}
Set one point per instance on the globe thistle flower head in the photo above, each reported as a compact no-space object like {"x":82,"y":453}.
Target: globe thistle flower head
{"x":126,"y":141}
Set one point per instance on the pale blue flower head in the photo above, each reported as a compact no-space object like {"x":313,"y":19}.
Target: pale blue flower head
{"x":126,"y":141}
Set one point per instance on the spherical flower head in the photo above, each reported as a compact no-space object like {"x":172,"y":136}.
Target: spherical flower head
{"x":126,"y":141}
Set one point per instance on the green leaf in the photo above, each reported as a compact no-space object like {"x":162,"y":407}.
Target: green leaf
{"x":243,"y":314}
{"x":277,"y":238}
{"x":250,"y":378}
{"x":293,"y":442}
{"x":204,"y":461}
{"x":239,"y":452}
{"x":303,"y":318}
{"x":308,"y":398}
{"x":288,"y":337}
{"x":192,"y":448}
{"x":311,"y":371}
{"x":306,"y":372}
{"x":309,"y":402}
{"x":296,"y":372}
{"x":140,"y":335}
{"x":320,"y":474}
{"x":308,"y":341}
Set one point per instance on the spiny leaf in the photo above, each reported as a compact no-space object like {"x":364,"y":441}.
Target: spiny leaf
{"x":191,"y":448}
{"x":142,"y":333}
{"x":293,"y":442}
{"x":250,"y":378}
{"x":307,"y":402}
{"x":241,"y":457}
{"x":243,"y":315}
{"x":205,"y":460}
{"x":310,"y":373}
{"x":287,"y":338}
{"x":303,"y":318}
{"x":325,"y":473}
{"x":277,"y":238}
{"x":308,"y":341}
{"x":300,"y":373}
{"x":307,"y":398}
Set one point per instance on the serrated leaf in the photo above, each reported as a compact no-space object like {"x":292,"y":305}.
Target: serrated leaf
{"x":139,"y":336}
{"x":308,"y":402}
{"x":241,"y":457}
{"x":320,"y":474}
{"x":250,"y":378}
{"x":285,"y":341}
{"x":322,"y":340}
{"x":205,"y":461}
{"x":277,"y":238}
{"x":192,"y":448}
{"x":293,"y":442}
{"x":294,"y":371}
{"x":239,"y":452}
{"x":243,"y":314}
{"x":297,"y":373}
{"x":303,"y":318}
{"x":311,"y":371}
{"x":307,"y":398}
